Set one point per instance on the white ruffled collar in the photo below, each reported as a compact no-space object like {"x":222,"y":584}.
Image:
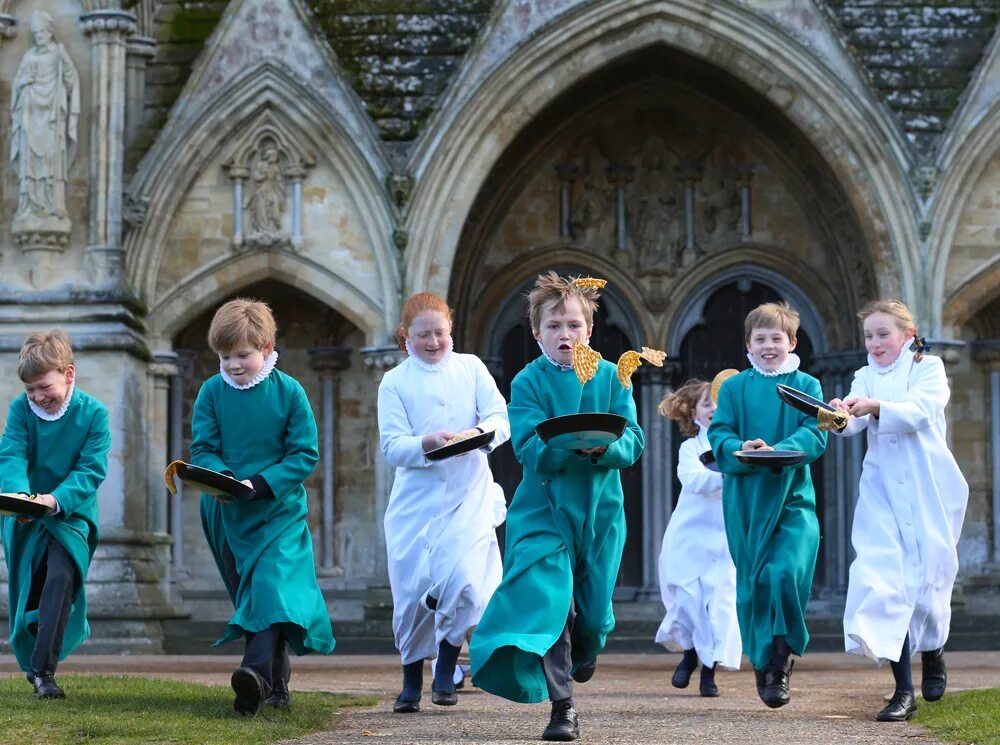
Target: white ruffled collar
{"x":265,"y":370}
{"x":791,"y":364}
{"x":559,"y":365}
{"x":58,"y":414}
{"x":430,"y":366}
{"x":904,"y":354}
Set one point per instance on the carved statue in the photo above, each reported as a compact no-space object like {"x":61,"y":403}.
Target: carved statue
{"x":45,"y":109}
{"x":657,"y":211}
{"x":266,"y":202}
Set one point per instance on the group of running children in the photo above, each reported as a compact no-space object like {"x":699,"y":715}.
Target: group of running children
{"x":738,"y":556}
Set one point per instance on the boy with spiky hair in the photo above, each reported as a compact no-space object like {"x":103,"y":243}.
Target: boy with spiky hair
{"x":254,"y":423}
{"x":770,"y":516}
{"x":55,"y":446}
{"x":551,"y":615}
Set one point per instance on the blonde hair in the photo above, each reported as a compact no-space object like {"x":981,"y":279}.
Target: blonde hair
{"x":551,"y":288}
{"x":902,"y":315}
{"x":242,"y":321}
{"x":42,"y":352}
{"x":414,"y":306}
{"x":682,"y":405}
{"x":773,"y":316}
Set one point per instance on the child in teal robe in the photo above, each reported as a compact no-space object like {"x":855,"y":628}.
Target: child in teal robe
{"x":255,"y":423}
{"x":770,"y":518}
{"x":55,"y":445}
{"x":552,"y":613}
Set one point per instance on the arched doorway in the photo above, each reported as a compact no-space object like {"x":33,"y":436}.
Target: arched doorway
{"x":511,"y":346}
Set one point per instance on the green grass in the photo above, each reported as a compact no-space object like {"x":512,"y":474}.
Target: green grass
{"x":970,"y":718}
{"x":124,"y":710}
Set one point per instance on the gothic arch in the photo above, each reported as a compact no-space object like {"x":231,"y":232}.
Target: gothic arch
{"x":169,"y":170}
{"x":864,"y":148}
{"x":972,"y":295}
{"x":202,"y":289}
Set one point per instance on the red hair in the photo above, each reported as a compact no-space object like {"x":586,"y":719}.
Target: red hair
{"x":413,"y":307}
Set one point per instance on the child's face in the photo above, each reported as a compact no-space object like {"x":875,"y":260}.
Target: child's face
{"x":769,"y":348}
{"x":430,"y":336}
{"x":561,"y":329}
{"x":244,"y":362}
{"x":705,"y":409}
{"x":49,"y":390}
{"x":884,"y":340}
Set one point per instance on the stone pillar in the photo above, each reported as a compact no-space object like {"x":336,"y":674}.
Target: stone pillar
{"x":987,"y":353}
{"x":567,"y":173}
{"x":378,"y":603}
{"x":161,"y":373}
{"x":744,"y":176}
{"x":657,"y":469}
{"x":108,"y":28}
{"x":170,"y":421}
{"x":620,"y":175}
{"x":328,"y":361}
{"x":139,"y":51}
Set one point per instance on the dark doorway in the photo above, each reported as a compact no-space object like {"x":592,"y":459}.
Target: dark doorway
{"x":519,"y":347}
{"x":717,"y":343}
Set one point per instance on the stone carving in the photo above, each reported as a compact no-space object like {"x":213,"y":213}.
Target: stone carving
{"x":717,"y":204}
{"x":656,"y":215}
{"x":134,"y":210}
{"x":266,"y":201}
{"x":45,"y":109}
{"x":592,"y":215}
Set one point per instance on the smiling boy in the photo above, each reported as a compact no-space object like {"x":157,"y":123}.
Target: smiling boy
{"x":55,"y":445}
{"x":551,"y":615}
{"x":770,"y":518}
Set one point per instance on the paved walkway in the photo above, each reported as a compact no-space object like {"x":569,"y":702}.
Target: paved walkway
{"x":629,"y":701}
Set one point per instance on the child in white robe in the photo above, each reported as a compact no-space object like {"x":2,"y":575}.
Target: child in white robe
{"x":697,"y":575}
{"x":444,"y":559}
{"x":911,"y":505}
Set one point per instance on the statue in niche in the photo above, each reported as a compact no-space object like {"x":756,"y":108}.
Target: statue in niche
{"x":266,"y":202}
{"x":593,"y":207}
{"x":45,"y":110}
{"x":718,"y":205}
{"x":658,"y":227}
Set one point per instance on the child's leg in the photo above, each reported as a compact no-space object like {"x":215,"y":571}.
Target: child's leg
{"x":707,"y":686}
{"x":557,"y":665}
{"x":62,"y":580}
{"x":280,"y":673}
{"x":902,"y":671}
{"x":408,"y":701}
{"x":444,"y":675}
{"x":687,"y":665}
{"x":902,"y":706}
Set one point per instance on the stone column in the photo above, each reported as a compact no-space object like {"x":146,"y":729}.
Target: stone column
{"x":378,"y":603}
{"x":744,"y":176}
{"x":657,"y":469}
{"x":567,"y":173}
{"x":174,"y":450}
{"x":328,"y":361}
{"x":140,"y":50}
{"x":987,"y":353}
{"x":620,"y":175}
{"x":161,"y":373}
{"x":108,"y":28}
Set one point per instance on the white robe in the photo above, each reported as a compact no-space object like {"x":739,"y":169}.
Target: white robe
{"x":697,"y":574}
{"x":440,"y":522}
{"x":909,"y":514}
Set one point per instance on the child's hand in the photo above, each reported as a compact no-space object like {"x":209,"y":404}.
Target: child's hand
{"x":435,"y":440}
{"x":862,"y":406}
{"x":757,"y":444}
{"x":247,"y":482}
{"x":47,"y":499}
{"x":838,"y":404}
{"x":594,"y":451}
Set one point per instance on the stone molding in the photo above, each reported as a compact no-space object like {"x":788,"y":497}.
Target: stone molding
{"x":492,"y":100}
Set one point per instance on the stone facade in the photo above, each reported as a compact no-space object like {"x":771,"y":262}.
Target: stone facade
{"x":333,"y":157}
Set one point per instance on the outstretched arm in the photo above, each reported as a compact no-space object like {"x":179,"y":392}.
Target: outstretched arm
{"x":526,"y":412}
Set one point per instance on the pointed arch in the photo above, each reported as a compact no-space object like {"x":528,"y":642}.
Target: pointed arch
{"x":169,"y":170}
{"x":862,"y":145}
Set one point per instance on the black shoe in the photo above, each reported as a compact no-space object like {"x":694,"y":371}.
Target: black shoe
{"x":759,"y":679}
{"x":585,"y":672}
{"x":279,"y":698}
{"x":406,"y":705}
{"x":776,"y":693}
{"x":707,"y":686}
{"x":45,"y":684}
{"x":563,"y":724}
{"x":934,"y":678}
{"x":682,"y":675}
{"x":444,"y":698}
{"x":249,"y":687}
{"x":901,"y":707}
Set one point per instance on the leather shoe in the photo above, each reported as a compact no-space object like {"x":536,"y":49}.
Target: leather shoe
{"x":249,"y":688}
{"x":681,"y":676}
{"x":444,"y":698}
{"x":776,"y":693}
{"x":934,"y":677}
{"x":585,"y":672}
{"x":405,"y":705}
{"x":279,"y":698}
{"x":759,"y":679}
{"x":707,"y":687}
{"x":45,"y":684}
{"x":563,"y":724}
{"x":901,"y":707}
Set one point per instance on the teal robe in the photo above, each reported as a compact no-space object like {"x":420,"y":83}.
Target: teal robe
{"x":565,"y":534}
{"x":67,"y":458}
{"x":267,"y":431}
{"x":770,"y":518}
